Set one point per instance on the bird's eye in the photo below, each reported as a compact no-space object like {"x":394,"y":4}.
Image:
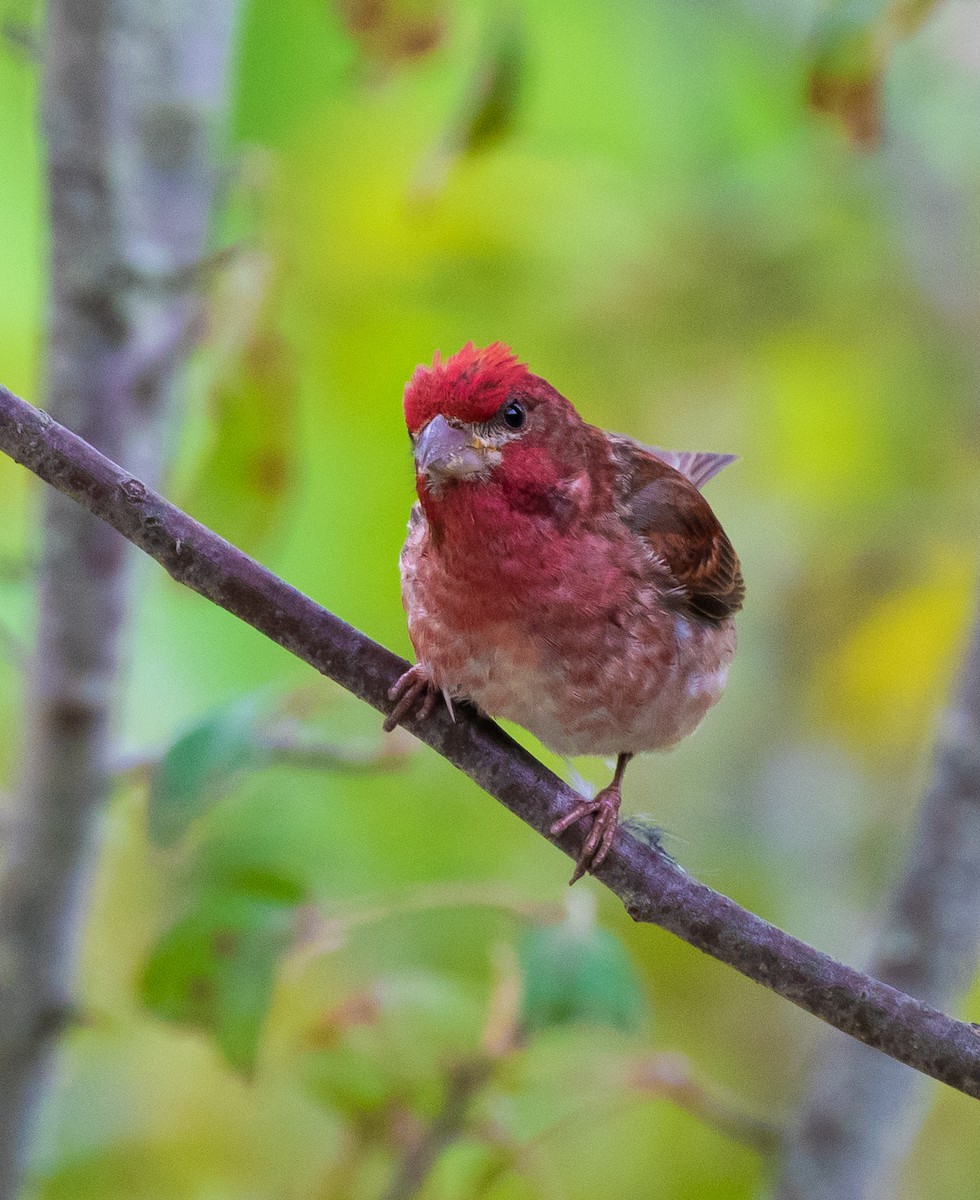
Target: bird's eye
{"x":515,"y":415}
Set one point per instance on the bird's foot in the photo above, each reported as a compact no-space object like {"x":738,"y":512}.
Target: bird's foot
{"x":603,"y":808}
{"x":414,"y":693}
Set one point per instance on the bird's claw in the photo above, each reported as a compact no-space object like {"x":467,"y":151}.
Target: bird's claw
{"x":604,"y":810}
{"x":413,"y":691}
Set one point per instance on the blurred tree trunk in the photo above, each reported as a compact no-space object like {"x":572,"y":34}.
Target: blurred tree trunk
{"x":861,"y":1109}
{"x":134,"y":94}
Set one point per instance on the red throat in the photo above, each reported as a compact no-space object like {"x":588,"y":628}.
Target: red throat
{"x":471,"y":385}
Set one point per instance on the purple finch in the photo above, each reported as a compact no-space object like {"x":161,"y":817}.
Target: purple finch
{"x":562,"y":577}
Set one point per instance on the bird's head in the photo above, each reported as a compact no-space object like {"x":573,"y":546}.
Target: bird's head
{"x":481,"y":416}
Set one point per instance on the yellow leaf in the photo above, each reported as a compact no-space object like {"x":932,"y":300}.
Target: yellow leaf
{"x":885,"y":680}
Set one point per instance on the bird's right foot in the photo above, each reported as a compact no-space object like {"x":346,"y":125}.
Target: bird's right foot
{"x":413,"y":694}
{"x":604,"y":811}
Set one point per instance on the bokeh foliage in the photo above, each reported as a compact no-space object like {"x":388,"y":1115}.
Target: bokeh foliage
{"x":285,"y":964}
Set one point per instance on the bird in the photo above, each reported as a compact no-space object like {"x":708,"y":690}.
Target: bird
{"x":573,"y":581}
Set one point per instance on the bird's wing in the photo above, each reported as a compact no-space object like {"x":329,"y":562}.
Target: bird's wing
{"x":409,"y":557}
{"x":698,"y":465}
{"x":662,"y":504}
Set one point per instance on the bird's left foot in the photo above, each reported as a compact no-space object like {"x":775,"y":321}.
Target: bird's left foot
{"x":414,"y":692}
{"x":604,"y":810}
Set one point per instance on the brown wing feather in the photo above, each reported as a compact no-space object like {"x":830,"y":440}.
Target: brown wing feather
{"x":666,"y":509}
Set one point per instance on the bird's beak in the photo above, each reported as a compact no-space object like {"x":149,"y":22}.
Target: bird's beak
{"x":444,"y":452}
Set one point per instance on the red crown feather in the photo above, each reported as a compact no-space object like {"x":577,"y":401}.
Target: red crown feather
{"x":470,"y":386}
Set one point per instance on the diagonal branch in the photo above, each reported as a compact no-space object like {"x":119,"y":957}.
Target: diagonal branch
{"x":653,"y":888}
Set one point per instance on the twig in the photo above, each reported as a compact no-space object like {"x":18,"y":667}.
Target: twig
{"x":653,"y":888}
{"x":860,"y":1110}
{"x":320,"y":933}
{"x":522,"y":1157}
{"x":183,"y":276}
{"x":463,"y":1084}
{"x":289,"y":744}
{"x":671,"y":1077}
{"x":22,"y":38}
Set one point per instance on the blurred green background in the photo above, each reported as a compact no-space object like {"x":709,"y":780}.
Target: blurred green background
{"x":286,"y":966}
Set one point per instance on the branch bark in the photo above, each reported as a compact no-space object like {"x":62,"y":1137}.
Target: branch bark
{"x":132,"y":92}
{"x":860,"y":1110}
{"x":652,"y":887}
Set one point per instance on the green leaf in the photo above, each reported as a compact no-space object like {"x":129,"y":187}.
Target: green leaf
{"x":487,"y":110}
{"x":215,"y":970}
{"x":349,"y":1078}
{"x":577,"y":973}
{"x":200,"y":766}
{"x":265,"y":883}
{"x":490,"y":108}
{"x":245,"y":472}
{"x":392,"y":1042}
